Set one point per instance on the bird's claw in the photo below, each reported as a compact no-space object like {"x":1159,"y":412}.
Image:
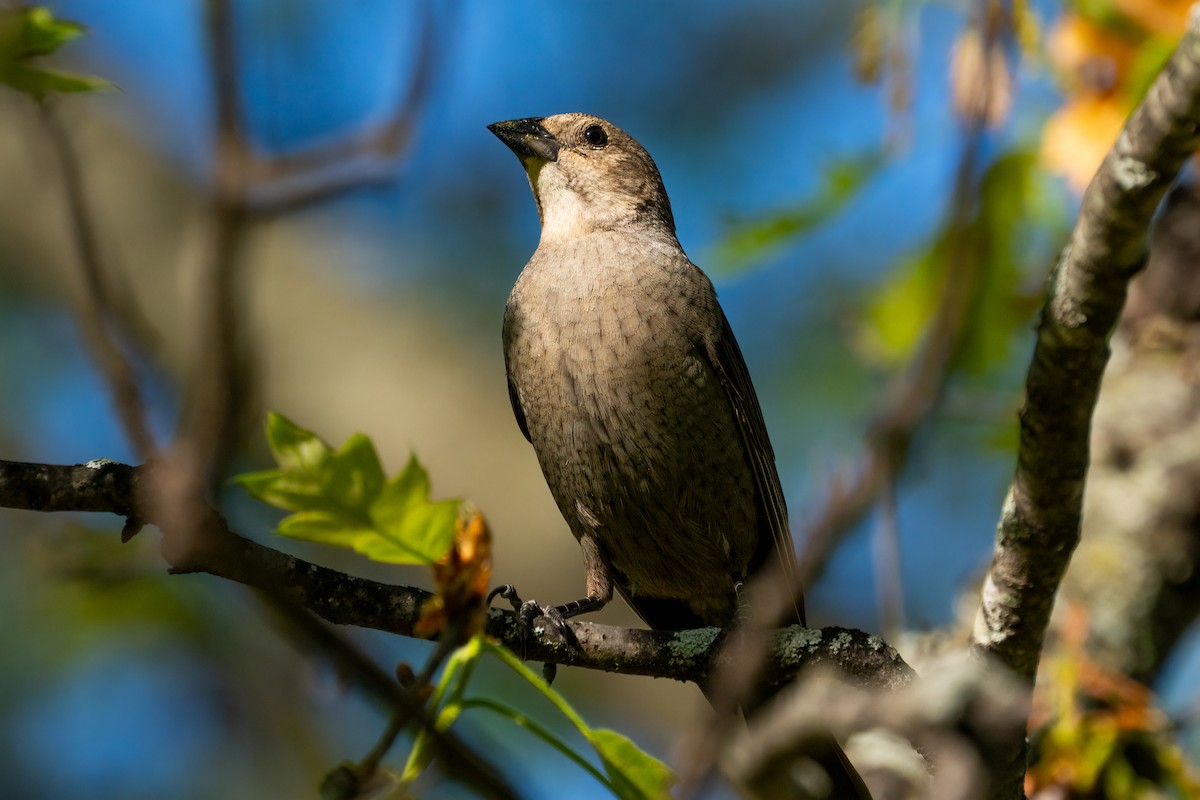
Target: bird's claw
{"x":531,"y":610}
{"x":508,"y":592}
{"x":527,"y":611}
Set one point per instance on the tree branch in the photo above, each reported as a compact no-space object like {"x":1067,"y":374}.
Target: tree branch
{"x":336,"y":597}
{"x":1040,"y":522}
{"x":1039,"y":526}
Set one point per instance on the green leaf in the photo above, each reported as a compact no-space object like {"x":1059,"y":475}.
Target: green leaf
{"x":408,"y":521}
{"x":353,"y":475}
{"x":633,"y":772}
{"x":48,"y":81}
{"x":1151,"y":56}
{"x":323,"y":527}
{"x":294,"y":447}
{"x":749,"y":241}
{"x":342,"y":498}
{"x":30,"y":33}
{"x":997,"y":242}
{"x":903,"y":306}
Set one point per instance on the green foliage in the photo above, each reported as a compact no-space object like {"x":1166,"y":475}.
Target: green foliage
{"x":900,"y":310}
{"x":342,"y":498}
{"x":628,"y":772}
{"x":29,"y":33}
{"x":749,"y":241}
{"x":1103,"y":13}
{"x":1148,"y":61}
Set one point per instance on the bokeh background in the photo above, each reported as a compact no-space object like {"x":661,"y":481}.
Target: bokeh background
{"x":380,"y":312}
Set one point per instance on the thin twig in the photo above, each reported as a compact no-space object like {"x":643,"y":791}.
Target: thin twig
{"x":99,"y":326}
{"x":284,"y":183}
{"x":908,"y":403}
{"x":889,"y":572}
{"x":212,"y":383}
{"x":405,"y":703}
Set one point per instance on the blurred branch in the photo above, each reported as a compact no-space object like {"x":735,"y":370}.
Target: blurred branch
{"x":250,"y":187}
{"x":290,"y":585}
{"x":288,"y":182}
{"x":407,"y":703}
{"x":216,"y":374}
{"x":100,"y":325}
{"x":910,"y":399}
{"x":1040,"y":522}
{"x":347,"y":600}
{"x":962,"y":717}
{"x":915,"y":391}
{"x":173,"y":495}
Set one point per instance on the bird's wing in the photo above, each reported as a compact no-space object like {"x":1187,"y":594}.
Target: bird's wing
{"x":513,"y":396}
{"x":518,"y":412}
{"x":727,"y":361}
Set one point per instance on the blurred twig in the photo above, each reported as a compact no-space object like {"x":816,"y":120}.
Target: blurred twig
{"x":406,"y":703}
{"x":889,"y":573}
{"x":100,"y":327}
{"x":961,"y":716}
{"x":246,"y":188}
{"x":289,"y":585}
{"x":250,"y":187}
{"x":1039,"y":524}
{"x":908,"y":403}
{"x":916,"y":391}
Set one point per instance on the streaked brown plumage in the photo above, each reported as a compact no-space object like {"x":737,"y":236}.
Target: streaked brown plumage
{"x":625,"y":376}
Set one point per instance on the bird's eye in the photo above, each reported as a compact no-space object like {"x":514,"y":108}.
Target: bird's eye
{"x":595,"y":136}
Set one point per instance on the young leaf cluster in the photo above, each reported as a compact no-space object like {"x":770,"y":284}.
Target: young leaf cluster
{"x":341,"y":497}
{"x":30,"y":33}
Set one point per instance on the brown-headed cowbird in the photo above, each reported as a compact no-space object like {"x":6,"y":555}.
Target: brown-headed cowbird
{"x":625,"y":376}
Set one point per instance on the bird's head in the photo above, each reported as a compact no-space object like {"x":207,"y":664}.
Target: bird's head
{"x":587,"y":175}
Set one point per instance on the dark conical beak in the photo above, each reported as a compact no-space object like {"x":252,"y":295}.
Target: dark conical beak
{"x":527,"y":138}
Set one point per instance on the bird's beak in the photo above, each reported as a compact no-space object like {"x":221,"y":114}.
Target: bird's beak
{"x":527,"y":138}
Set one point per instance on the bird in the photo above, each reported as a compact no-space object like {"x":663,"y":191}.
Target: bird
{"x":625,"y":376}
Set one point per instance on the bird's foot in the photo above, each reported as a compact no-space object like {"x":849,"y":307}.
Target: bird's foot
{"x":526,"y":611}
{"x":529,"y":610}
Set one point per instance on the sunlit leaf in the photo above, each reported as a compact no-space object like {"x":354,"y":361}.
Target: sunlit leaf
{"x":902,"y":308}
{"x":630,"y":772}
{"x":341,"y":497}
{"x":1148,"y":61}
{"x":1098,"y":733}
{"x":634,"y":772}
{"x":408,"y":522}
{"x":41,"y":34}
{"x":1162,"y":17}
{"x":48,"y":81}
{"x":295,"y":448}
{"x":30,"y":33}
{"x":1026,"y":26}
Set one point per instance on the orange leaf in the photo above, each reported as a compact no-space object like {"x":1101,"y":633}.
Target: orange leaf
{"x":1077,"y":137}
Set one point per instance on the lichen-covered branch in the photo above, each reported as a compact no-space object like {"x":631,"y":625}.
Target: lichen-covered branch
{"x":863,"y":659}
{"x":1040,"y":522}
{"x":1039,"y":526}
